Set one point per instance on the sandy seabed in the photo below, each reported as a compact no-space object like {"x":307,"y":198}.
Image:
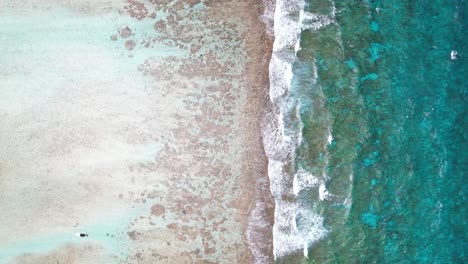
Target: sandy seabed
{"x":136,"y":122}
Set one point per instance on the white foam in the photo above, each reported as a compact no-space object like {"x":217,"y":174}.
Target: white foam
{"x":287,"y":28}
{"x":286,"y":23}
{"x":296,"y":188}
{"x":295,"y":227}
{"x":297,"y":47}
{"x":280,"y":72}
{"x":302,"y":180}
{"x":268,"y":16}
{"x":288,"y":75}
{"x":453,"y":55}
{"x":323,"y":192}
{"x":279,"y":179}
{"x":301,"y":125}
{"x":316,"y":21}
{"x":306,"y":250}
{"x":330,"y":139}
{"x":273,"y":136}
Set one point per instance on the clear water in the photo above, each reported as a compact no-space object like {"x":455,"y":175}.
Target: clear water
{"x":139,"y":145}
{"x":378,"y":95}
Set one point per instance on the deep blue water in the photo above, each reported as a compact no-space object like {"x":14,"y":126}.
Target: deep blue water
{"x":395,"y":99}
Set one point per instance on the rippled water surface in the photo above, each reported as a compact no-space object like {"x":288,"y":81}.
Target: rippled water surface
{"x":375,"y":116}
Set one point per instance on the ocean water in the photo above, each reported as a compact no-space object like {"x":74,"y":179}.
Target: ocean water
{"x":367,"y":137}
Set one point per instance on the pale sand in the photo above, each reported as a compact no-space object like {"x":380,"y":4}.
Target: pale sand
{"x":144,"y":134}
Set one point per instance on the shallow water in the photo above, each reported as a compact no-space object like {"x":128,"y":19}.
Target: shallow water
{"x":127,"y":121}
{"x":374,"y":115}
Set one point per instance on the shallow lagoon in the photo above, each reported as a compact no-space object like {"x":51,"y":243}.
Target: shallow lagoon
{"x":130,"y":123}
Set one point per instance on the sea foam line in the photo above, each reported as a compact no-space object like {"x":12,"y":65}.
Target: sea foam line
{"x":296,"y":226}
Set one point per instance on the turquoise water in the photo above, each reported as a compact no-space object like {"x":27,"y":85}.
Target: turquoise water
{"x":386,"y":81}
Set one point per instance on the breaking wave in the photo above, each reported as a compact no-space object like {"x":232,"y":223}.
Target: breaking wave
{"x":296,"y":225}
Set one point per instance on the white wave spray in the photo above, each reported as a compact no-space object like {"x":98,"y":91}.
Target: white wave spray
{"x":296,"y":226}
